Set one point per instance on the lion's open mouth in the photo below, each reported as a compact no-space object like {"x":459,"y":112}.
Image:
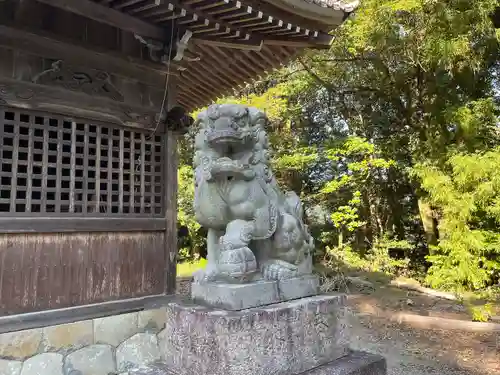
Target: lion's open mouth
{"x":226,"y":168}
{"x":225,"y":136}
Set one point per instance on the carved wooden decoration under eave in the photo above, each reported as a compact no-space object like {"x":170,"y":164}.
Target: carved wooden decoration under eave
{"x":54,"y":99}
{"x":89,"y":81}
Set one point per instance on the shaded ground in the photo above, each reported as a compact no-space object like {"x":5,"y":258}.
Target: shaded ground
{"x":416,"y":350}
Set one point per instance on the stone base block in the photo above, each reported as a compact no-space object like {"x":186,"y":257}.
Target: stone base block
{"x":286,"y":338}
{"x":355,"y":363}
{"x":259,"y":293}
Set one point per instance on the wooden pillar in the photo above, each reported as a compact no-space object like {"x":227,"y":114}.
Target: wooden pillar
{"x":171,"y":183}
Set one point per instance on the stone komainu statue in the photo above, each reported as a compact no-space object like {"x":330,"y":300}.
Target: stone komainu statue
{"x":254,"y":229}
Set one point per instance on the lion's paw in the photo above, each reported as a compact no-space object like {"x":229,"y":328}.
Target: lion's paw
{"x":237,"y":262}
{"x":279,"y":270}
{"x":205,"y":275}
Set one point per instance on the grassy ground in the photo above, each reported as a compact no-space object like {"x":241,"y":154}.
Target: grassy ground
{"x":187,"y":269}
{"x":471,"y":301}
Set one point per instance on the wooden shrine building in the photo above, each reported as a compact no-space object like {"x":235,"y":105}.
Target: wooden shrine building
{"x":88,"y":164}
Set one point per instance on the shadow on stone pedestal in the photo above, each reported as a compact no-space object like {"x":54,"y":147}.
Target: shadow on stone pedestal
{"x":355,"y":363}
{"x":287,"y":338}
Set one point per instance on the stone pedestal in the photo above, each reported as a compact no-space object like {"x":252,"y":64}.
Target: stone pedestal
{"x":237,"y":297}
{"x":355,"y":363}
{"x":286,"y":338}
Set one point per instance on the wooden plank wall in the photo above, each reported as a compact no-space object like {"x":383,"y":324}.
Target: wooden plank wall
{"x":95,"y":260}
{"x":88,"y":263}
{"x":50,"y":271}
{"x":171,"y":189}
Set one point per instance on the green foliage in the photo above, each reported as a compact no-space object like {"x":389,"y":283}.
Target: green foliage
{"x":482,"y":313}
{"x":466,"y":192}
{"x":187,"y":268}
{"x":402,"y":109}
{"x":356,"y":170}
{"x":185,"y":197}
{"x":398,"y":70}
{"x":347,"y":216}
{"x":378,"y":258}
{"x":417,"y":79}
{"x":185,"y":213}
{"x":337,"y":258}
{"x":273,"y":102}
{"x":301,"y":158}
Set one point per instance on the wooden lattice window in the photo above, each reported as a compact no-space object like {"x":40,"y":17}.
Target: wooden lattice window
{"x":51,"y":165}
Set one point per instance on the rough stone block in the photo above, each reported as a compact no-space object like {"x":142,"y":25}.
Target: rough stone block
{"x":355,"y":363}
{"x":20,"y":345}
{"x":91,"y":360}
{"x":113,"y":330}
{"x":298,"y":288}
{"x":152,"y":320}
{"x":141,"y":349}
{"x":236,"y":296}
{"x":10,"y":367}
{"x":281,"y":339}
{"x":162,"y":337}
{"x":259,"y":293}
{"x":68,"y":337}
{"x":183,"y":286}
{"x":43,"y":364}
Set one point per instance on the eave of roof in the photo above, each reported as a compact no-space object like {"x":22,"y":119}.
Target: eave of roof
{"x":231,"y":21}
{"x":220,"y":70}
{"x":328,"y":13}
{"x":229,"y":42}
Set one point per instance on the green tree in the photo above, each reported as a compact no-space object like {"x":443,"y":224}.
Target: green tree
{"x":467,"y":194}
{"x":417,"y":79}
{"x":368,"y":130}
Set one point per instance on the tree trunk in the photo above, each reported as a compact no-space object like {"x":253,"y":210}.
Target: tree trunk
{"x":428,"y":222}
{"x":395,"y":207}
{"x":370,"y":229}
{"x":375,"y":220}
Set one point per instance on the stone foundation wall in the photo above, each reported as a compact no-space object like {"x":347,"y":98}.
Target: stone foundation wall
{"x":183,"y":286}
{"x":104,"y":346}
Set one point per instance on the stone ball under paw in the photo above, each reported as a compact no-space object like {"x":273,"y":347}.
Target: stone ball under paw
{"x":237,"y":262}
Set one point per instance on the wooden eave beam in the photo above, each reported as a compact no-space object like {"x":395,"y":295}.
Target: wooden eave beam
{"x":209,"y":77}
{"x":276,"y":12}
{"x":269,"y":58}
{"x":331,"y":15}
{"x":234,"y":63}
{"x":201,"y":15}
{"x":109,"y":16}
{"x":48,"y":46}
{"x":256,"y":21}
{"x":247,"y":45}
{"x":220,"y":65}
{"x":320,"y":41}
{"x":213,"y":63}
{"x":252,"y":61}
{"x":280,"y":54}
{"x":123,"y":21}
{"x":200,"y":90}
